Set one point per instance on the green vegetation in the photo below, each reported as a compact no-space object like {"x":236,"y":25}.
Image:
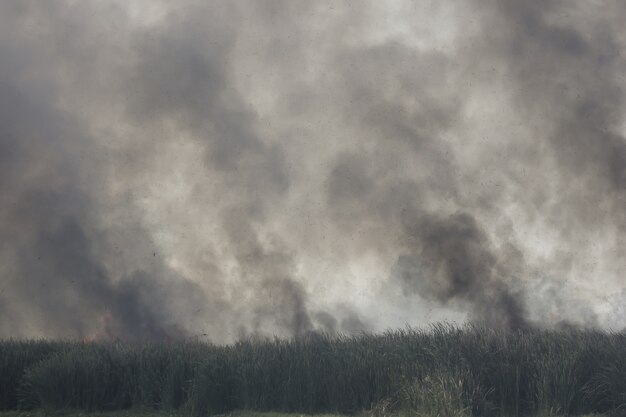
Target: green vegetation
{"x":135,"y":413}
{"x":445,"y":371}
{"x":125,"y":413}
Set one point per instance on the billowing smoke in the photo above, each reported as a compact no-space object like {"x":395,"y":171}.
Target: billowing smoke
{"x":223,"y":169}
{"x":453,"y":260}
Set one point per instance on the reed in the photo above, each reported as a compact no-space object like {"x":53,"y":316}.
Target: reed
{"x":444,"y":370}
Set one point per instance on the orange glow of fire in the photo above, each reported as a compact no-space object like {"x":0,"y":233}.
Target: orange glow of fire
{"x":105,"y":334}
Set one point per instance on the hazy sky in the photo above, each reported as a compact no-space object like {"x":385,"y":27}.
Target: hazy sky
{"x":229,"y":168}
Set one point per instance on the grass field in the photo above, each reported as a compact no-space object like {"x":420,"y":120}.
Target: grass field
{"x":178,"y":414}
{"x":149,"y":414}
{"x":445,"y":371}
{"x":152,"y":414}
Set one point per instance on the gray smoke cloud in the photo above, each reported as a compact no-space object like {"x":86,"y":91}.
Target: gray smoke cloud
{"x":224,"y":169}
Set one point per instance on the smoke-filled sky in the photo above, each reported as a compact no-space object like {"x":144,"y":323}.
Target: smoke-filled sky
{"x":221,"y":169}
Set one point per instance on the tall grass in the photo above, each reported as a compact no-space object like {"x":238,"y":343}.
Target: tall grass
{"x":112,"y":376}
{"x":446,"y":371}
{"x":15,"y":357}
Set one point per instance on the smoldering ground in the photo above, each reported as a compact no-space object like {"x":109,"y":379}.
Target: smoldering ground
{"x":233,"y":168}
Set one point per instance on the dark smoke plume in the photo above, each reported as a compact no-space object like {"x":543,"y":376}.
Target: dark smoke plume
{"x":259,"y":168}
{"x":453,"y":260}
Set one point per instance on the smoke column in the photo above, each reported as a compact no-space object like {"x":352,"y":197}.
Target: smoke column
{"x":227,"y":169}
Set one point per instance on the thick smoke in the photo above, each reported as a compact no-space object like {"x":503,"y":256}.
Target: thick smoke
{"x":226,"y":169}
{"x":453,"y":260}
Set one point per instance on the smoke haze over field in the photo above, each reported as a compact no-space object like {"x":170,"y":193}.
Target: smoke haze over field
{"x":225,"y":169}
